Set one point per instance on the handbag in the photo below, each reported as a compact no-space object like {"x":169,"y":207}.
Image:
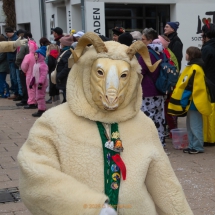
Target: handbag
{"x":54,"y":73}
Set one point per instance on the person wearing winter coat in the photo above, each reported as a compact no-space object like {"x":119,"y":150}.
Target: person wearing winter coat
{"x":16,"y":86}
{"x":191,"y":96}
{"x":176,"y":46}
{"x":58,"y":34}
{"x":39,"y":80}
{"x":52,"y":55}
{"x":153,"y":100}
{"x":208,"y":56}
{"x":171,"y":120}
{"x":27,"y":67}
{"x":21,"y":52}
{"x":62,"y":66}
{"x":4,"y":70}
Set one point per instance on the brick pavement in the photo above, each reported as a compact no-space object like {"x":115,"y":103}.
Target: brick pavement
{"x":195,"y":172}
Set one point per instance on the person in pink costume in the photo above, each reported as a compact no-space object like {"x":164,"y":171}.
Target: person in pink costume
{"x":39,"y":80}
{"x":27,"y":67}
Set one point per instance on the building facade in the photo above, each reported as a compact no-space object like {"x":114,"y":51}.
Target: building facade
{"x":102,"y":15}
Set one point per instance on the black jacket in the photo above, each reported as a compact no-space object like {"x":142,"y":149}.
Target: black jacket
{"x":63,"y":70}
{"x":197,"y":61}
{"x":176,"y":46}
{"x":4,"y":66}
{"x":208,"y":56}
{"x":51,"y":63}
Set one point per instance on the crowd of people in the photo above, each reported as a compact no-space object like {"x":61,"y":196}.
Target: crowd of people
{"x":30,"y":67}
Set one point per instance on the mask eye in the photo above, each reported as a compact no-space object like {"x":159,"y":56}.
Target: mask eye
{"x":124,"y":75}
{"x":100,"y":73}
{"x":184,"y":79}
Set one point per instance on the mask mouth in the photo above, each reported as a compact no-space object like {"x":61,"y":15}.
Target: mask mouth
{"x":110,"y":106}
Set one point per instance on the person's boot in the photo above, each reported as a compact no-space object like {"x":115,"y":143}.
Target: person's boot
{"x":31,"y":106}
{"x":38,"y":113}
{"x":49,"y":101}
{"x":18,"y":98}
{"x":7,"y":95}
{"x":21,"y":104}
{"x":13,"y":97}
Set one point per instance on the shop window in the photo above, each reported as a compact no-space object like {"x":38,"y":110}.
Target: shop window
{"x":136,"y":17}
{"x":24,"y":26}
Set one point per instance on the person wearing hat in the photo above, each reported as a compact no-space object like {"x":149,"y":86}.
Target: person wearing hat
{"x":78,"y":35}
{"x":62,"y":66}
{"x":39,"y":80}
{"x":57,"y":33}
{"x":16,"y":86}
{"x":125,"y":38}
{"x":117,"y":31}
{"x":176,"y":46}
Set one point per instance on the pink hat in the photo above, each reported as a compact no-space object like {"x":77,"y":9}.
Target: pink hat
{"x":66,"y":40}
{"x":164,"y":42}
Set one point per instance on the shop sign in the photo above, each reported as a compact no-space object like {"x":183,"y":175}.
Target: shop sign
{"x":95,"y":17}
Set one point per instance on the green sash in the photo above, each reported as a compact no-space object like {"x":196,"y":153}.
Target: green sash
{"x":111,"y":170}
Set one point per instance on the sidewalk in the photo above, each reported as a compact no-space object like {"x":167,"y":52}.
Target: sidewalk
{"x":195,"y":172}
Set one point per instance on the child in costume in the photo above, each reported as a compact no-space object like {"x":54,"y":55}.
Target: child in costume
{"x":39,"y":80}
{"x":27,"y":67}
{"x":190,"y":95}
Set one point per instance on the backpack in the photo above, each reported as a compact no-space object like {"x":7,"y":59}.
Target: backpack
{"x":168,"y":75}
{"x":173,"y":58}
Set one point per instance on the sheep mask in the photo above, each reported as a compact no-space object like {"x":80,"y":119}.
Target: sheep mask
{"x":104,"y":83}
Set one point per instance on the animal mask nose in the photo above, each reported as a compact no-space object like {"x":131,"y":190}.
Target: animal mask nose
{"x":111,"y":96}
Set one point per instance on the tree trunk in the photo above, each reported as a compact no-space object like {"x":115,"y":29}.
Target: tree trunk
{"x":10,"y":13}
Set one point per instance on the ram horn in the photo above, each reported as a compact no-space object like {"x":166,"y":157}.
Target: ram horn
{"x":86,"y":39}
{"x":142,"y":49}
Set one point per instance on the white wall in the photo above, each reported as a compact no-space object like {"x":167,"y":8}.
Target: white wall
{"x":2,"y":19}
{"x":61,"y":16}
{"x":76,"y":17}
{"x":29,"y":12}
{"x":189,"y":21}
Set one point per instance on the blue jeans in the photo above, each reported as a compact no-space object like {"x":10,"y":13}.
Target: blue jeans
{"x":3,"y":84}
{"x":195,"y":130}
{"x":15,"y":79}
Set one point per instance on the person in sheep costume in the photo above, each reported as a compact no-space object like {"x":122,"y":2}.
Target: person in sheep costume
{"x":98,"y":154}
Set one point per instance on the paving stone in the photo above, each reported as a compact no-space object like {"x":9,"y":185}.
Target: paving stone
{"x":26,"y":212}
{"x":12,"y":207}
{"x":9,"y":184}
{"x":4,"y":178}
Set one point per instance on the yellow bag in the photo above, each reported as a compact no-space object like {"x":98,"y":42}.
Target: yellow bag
{"x":199,"y":96}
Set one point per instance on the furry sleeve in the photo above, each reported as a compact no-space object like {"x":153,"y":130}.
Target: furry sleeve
{"x":7,"y":46}
{"x":163,"y":184}
{"x":43,"y":187}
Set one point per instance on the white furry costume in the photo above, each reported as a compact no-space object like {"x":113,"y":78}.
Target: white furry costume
{"x":61,"y":163}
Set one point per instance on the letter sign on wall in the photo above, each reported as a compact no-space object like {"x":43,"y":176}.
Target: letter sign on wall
{"x":95,"y":17}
